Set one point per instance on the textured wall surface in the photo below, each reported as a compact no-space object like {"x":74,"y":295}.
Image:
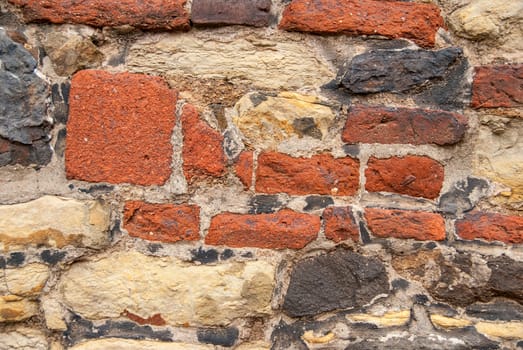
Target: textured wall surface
{"x":257,"y":174}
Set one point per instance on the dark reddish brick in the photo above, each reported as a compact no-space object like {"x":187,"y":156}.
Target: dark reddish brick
{"x":222,"y":12}
{"x":405,"y":224}
{"x":320,"y":174}
{"x":340,"y":224}
{"x":155,"y":320}
{"x":416,"y":176}
{"x":284,"y":229}
{"x":150,"y":14}
{"x":203,"y":153}
{"x":244,"y":168}
{"x":498,"y":86}
{"x":491,"y":227}
{"x":403,"y":126}
{"x":162,"y":222}
{"x":393,"y":19}
{"x":119,"y":128}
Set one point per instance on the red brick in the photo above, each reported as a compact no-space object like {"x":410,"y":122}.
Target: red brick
{"x":491,"y":227}
{"x":119,"y":128}
{"x":340,"y":224}
{"x":284,"y":229}
{"x":244,"y":168}
{"x":498,"y":86}
{"x":150,"y":14}
{"x":392,"y":19}
{"x":162,"y":222}
{"x":403,"y":126}
{"x":154,"y":320}
{"x":416,"y":176}
{"x":405,"y":224}
{"x":320,"y":174}
{"x":203,"y":153}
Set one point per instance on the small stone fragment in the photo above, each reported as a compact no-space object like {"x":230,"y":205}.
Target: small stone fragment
{"x":340,"y":224}
{"x":310,"y":338}
{"x":244,"y":168}
{"x":388,"y":319}
{"x":225,"y":12}
{"x":445,"y":322}
{"x":505,"y":330}
{"x":218,"y":336}
{"x":130,"y":344}
{"x":14,"y":308}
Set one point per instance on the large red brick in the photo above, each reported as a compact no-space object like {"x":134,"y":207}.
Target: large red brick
{"x":320,"y":174}
{"x":150,"y":14}
{"x":498,"y":86}
{"x":284,"y":229}
{"x":244,"y":168}
{"x":393,"y":19}
{"x":491,"y":227}
{"x":119,"y":128}
{"x":162,"y":222}
{"x":202,"y":153}
{"x":416,"y":176}
{"x":405,"y":224}
{"x":340,"y":224}
{"x":403,"y":126}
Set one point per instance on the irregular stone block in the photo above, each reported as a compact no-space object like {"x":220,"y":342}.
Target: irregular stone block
{"x":26,"y":281}
{"x":340,"y":224}
{"x":499,"y":310}
{"x":128,"y":344}
{"x":24,"y":338}
{"x":222,"y":12}
{"x":506,"y":330}
{"x":463,"y":195}
{"x":14,"y":308}
{"x":491,"y":227}
{"x":446,"y":322}
{"x":218,"y":336}
{"x":388,"y":319}
{"x":497,"y":86}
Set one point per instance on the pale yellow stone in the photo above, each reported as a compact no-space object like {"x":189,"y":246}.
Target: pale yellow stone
{"x":26,"y":281}
{"x":15,"y":308}
{"x":258,"y":345}
{"x":449,"y":322}
{"x":265,"y":121}
{"x":507,"y":330}
{"x":309,"y":337}
{"x":182,"y":293}
{"x":23,"y":339}
{"x":53,"y":314}
{"x":128,"y":344}
{"x":265,"y":62}
{"x":53,"y":222}
{"x":389,"y":319}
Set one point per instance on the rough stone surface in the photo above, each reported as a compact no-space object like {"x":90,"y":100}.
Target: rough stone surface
{"x":53,"y":222}
{"x":156,"y":14}
{"x":416,"y":176}
{"x":389,"y":319}
{"x":340,"y":224}
{"x":320,"y":174}
{"x":264,"y":204}
{"x":403,"y":126}
{"x":26,"y":281}
{"x":128,"y":344}
{"x":463,"y":196}
{"x":397,"y":71}
{"x":405,"y":224}
{"x":337,"y":280}
{"x":23,"y":338}
{"x":499,"y":310}
{"x":14,"y":308}
{"x":506,"y":278}
{"x":218,"y":12}
{"x":203,"y":153}
{"x":491,"y":227}
{"x":415,"y":21}
{"x":94,"y":289}
{"x":508,"y":330}
{"x":162,"y":222}
{"x":497,"y":86}
{"x":218,"y":336}
{"x":244,"y":168}
{"x":317,"y":202}
{"x":101,"y":145}
{"x":266,"y":120}
{"x":284,"y":229}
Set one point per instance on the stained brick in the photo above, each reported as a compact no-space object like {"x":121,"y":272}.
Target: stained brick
{"x":320,"y":174}
{"x":340,"y":224}
{"x":284,"y":229}
{"x":498,"y":86}
{"x":119,"y":128}
{"x":491,"y":227}
{"x":244,"y":168}
{"x":405,"y":224}
{"x":417,"y":176}
{"x":162,"y":222}
{"x":222,"y":12}
{"x":393,"y":19}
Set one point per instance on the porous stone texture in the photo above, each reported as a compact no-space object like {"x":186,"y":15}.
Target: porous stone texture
{"x":26,"y":281}
{"x":24,"y":338}
{"x":53,"y":222}
{"x":129,"y":344}
{"x":244,"y":168}
{"x":491,"y":227}
{"x":14,"y":308}
{"x":497,"y":86}
{"x":94,"y":289}
{"x":100,"y":145}
{"x":222,"y":12}
{"x":340,"y":224}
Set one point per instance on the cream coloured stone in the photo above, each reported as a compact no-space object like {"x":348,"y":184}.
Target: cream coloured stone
{"x":23,"y":339}
{"x":26,"y":281}
{"x":388,"y":319}
{"x":266,"y":120}
{"x":53,"y":313}
{"x":15,"y":308}
{"x":265,"y":62}
{"x":53,"y":222}
{"x":258,"y":345}
{"x":449,"y":322}
{"x":507,"y":330}
{"x":128,"y":344}
{"x":311,"y":338}
{"x":182,"y":293}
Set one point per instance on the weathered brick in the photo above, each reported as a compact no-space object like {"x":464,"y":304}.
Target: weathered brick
{"x":393,"y":19}
{"x":417,"y":176}
{"x":498,"y":86}
{"x":340,"y":224}
{"x":284,"y":229}
{"x":491,"y":227}
{"x":151,"y":14}
{"x":244,"y":168}
{"x":218,"y":12}
{"x":320,"y":174}
{"x":415,"y":126}
{"x":203,"y":153}
{"x":162,"y":222}
{"x":405,"y":224}
{"x":119,"y":128}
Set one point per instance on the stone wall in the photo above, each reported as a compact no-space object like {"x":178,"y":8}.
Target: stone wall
{"x":257,"y":174}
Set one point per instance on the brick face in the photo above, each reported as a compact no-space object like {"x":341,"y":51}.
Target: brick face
{"x":491,"y":227}
{"x":340,"y":224}
{"x":119,"y":128}
{"x":244,"y":168}
{"x":497,"y":86}
{"x":393,"y":19}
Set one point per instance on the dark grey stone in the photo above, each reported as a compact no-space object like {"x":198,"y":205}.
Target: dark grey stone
{"x":352,"y":150}
{"x":400,"y":283}
{"x":52,"y":256}
{"x":286,"y":337}
{"x":264,"y":204}
{"x":218,"y":336}
{"x":307,"y":127}
{"x":463,"y":196}
{"x":506,"y":279}
{"x":317,"y":202}
{"x":337,"y":280}
{"x":502,"y":310}
{"x":16,"y":259}
{"x":223,"y":12}
{"x":204,"y":256}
